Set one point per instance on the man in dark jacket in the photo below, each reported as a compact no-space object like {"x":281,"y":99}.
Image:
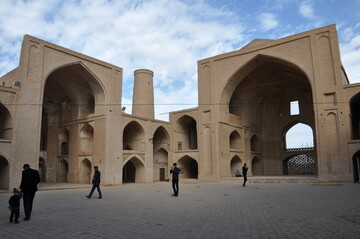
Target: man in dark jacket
{"x":96,"y":183}
{"x":29,"y":181}
{"x":244,"y":171}
{"x":175,"y":179}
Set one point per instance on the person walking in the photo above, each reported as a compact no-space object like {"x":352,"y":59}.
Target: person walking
{"x":29,"y":181}
{"x":175,"y":179}
{"x":95,"y":183}
{"x":244,"y":172}
{"x":14,"y":205}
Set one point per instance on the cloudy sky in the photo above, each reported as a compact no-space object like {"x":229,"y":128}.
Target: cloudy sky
{"x":169,"y":36}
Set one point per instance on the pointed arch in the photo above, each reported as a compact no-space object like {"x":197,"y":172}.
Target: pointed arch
{"x":298,"y":135}
{"x":63,"y":170}
{"x":86,"y":140}
{"x":5,"y":123}
{"x":4,"y":173}
{"x":133,"y":170}
{"x":256,"y":166}
{"x":186,"y":133}
{"x":355,"y":116}
{"x":189,"y":167}
{"x":134,"y":137}
{"x":235,"y":140}
{"x":85,"y":171}
{"x":235,"y":165}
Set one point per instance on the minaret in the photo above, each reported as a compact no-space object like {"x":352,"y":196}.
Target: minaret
{"x":143,"y":97}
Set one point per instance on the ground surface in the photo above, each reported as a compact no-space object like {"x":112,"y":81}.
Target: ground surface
{"x":203,"y":210}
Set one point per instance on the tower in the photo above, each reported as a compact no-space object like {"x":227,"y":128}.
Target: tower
{"x":143,"y":97}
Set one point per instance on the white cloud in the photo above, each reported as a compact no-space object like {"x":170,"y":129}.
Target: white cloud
{"x":306,"y":9}
{"x":268,"y":21}
{"x":350,"y":55}
{"x":167,"y":37}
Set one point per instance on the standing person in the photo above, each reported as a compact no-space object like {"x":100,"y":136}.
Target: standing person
{"x":29,"y":181}
{"x":96,"y":183}
{"x":244,"y":171}
{"x":14,"y":205}
{"x":175,"y":179}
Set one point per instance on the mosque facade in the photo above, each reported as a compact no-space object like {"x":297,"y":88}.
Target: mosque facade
{"x":61,"y":112}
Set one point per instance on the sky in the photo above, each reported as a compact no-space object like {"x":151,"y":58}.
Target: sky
{"x":170,"y":36}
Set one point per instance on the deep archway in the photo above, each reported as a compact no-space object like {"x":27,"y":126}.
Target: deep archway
{"x":261,"y":93}
{"x":134,"y":171}
{"x":72,"y":95}
{"x":4,"y":173}
{"x":63,"y":171}
{"x":42,"y":169}
{"x":85,"y":171}
{"x":235,"y":140}
{"x":134,"y":137}
{"x":355,"y":116}
{"x":161,"y":144}
{"x":235,"y":165}
{"x":189,"y":167}
{"x":5,"y":123}
{"x":356,"y":167}
{"x":186,"y":133}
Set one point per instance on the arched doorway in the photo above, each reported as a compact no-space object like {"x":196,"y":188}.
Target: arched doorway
{"x":129,"y":172}
{"x":235,"y":165}
{"x":161,"y":144}
{"x":299,"y":165}
{"x":356,"y":167}
{"x":134,"y":171}
{"x":63,"y":171}
{"x":189,"y":167}
{"x":42,"y":169}
{"x":4,"y":173}
{"x":85,"y":171}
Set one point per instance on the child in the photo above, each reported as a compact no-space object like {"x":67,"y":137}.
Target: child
{"x":14,"y":205}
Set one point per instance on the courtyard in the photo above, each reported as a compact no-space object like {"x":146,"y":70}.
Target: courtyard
{"x":202,"y":210}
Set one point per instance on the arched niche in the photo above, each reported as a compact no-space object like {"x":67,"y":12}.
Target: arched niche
{"x":63,"y":170}
{"x":134,"y":137}
{"x":5,"y":123}
{"x":160,"y":165}
{"x":4,"y":173}
{"x":85,"y":171}
{"x":235,"y":165}
{"x":42,"y":169}
{"x":189,"y":167}
{"x":86,"y":140}
{"x":355,"y":116}
{"x":256,"y":166}
{"x":63,"y":139}
{"x":133,"y":171}
{"x":254,"y":143}
{"x":235,"y":140}
{"x":186,"y":133}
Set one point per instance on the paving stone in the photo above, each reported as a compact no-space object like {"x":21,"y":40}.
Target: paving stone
{"x":204,"y":210}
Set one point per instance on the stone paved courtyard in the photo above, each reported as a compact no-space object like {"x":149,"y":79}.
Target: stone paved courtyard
{"x":202,"y":210}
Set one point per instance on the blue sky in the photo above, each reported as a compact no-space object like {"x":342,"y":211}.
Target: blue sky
{"x":170,"y":36}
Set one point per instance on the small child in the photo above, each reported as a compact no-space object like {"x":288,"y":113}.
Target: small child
{"x":14,"y":205}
